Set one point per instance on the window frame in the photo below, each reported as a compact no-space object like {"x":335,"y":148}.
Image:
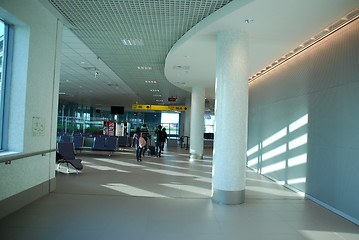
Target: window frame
{"x":5,"y":85}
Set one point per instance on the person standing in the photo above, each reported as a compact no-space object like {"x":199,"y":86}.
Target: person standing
{"x":136,"y":144}
{"x":164,"y":137}
{"x":158,"y":141}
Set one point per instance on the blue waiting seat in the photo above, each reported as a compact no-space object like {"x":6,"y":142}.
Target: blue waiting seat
{"x":122,"y":141}
{"x":105,"y":144}
{"x":78,"y":142}
{"x":65,"y":138}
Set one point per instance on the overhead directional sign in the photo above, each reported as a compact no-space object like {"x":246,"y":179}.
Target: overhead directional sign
{"x":159,"y":107}
{"x":142,"y":107}
{"x":177,"y":108}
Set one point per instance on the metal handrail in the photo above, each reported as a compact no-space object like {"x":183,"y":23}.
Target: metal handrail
{"x":7,"y":159}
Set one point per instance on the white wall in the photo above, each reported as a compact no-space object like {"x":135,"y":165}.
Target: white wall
{"x":320,"y":86}
{"x":34,"y":91}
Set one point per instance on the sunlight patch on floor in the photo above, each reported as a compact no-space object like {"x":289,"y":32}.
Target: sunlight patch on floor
{"x":276,"y":192}
{"x":189,"y":188}
{"x":103,"y":168}
{"x":133,"y":191}
{"x":118,"y":162}
{"x":170,"y":173}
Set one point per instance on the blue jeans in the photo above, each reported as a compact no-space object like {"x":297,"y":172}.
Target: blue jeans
{"x":138,"y":152}
{"x":144,"y":149}
{"x":159,"y":146}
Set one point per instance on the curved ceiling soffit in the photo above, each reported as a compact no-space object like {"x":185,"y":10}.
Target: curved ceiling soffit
{"x":178,"y":65}
{"x":191,"y":61}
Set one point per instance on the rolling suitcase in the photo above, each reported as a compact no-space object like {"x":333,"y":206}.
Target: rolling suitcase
{"x":151,"y":150}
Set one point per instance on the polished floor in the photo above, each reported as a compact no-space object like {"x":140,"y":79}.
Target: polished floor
{"x":167,"y":198}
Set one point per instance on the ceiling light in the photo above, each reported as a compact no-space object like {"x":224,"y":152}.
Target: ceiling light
{"x":249,"y":21}
{"x":154,"y":90}
{"x":150,"y":81}
{"x":144,"y":68}
{"x":132,"y":42}
{"x":157,"y":95}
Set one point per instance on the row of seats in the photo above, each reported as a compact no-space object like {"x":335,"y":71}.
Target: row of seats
{"x":96,"y":143}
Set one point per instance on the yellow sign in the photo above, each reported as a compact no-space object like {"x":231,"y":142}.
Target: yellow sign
{"x":142,"y":107}
{"x":159,"y":107}
{"x":177,"y":108}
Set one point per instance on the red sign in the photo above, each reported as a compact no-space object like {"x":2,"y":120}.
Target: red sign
{"x":109,"y":128}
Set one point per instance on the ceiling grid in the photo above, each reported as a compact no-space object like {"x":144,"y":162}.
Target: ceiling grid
{"x":103,"y":24}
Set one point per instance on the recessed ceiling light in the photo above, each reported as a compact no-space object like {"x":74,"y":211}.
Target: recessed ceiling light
{"x":249,"y":21}
{"x":150,"y":81}
{"x":154,"y":90}
{"x":144,"y":68}
{"x":157,"y":95}
{"x":132,"y":42}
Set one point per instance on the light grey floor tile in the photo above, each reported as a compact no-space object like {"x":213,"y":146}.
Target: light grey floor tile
{"x":167,"y":198}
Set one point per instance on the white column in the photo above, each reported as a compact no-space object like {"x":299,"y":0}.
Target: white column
{"x":187,"y":118}
{"x":197,"y":123}
{"x":231,"y":111}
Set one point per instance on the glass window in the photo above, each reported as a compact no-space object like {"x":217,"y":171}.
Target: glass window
{"x":3,"y":54}
{"x":170,"y":121}
{"x":209,"y":121}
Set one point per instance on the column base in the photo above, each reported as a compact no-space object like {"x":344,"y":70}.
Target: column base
{"x":228,"y":197}
{"x":195,"y":156}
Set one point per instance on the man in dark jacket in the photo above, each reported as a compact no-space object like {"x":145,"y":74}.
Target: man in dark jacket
{"x":146,"y":136}
{"x":159,"y":140}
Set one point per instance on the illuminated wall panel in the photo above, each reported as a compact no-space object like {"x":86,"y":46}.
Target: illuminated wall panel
{"x":307,"y":110}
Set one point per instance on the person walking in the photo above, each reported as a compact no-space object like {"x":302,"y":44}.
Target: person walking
{"x":136,"y":144}
{"x":146,"y":135}
{"x":158,"y":141}
{"x":164,"y":137}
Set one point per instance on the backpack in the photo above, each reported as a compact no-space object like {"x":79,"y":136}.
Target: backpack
{"x":141,"y":141}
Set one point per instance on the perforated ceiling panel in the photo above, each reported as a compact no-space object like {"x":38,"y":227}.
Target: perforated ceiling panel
{"x":131,"y":36}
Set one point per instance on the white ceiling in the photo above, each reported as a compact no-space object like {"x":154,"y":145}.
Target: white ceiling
{"x":275,"y":28}
{"x":79,"y":81}
{"x":174,"y":33}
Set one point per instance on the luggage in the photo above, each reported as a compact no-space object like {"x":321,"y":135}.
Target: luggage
{"x":151,"y":150}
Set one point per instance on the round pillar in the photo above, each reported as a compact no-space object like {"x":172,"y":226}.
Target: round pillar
{"x":231,"y":112}
{"x":197,"y":123}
